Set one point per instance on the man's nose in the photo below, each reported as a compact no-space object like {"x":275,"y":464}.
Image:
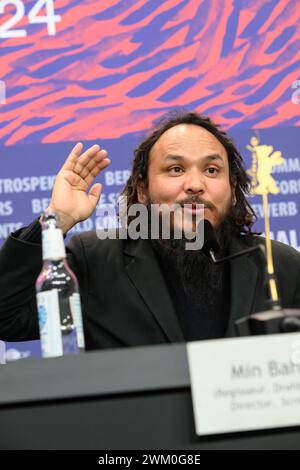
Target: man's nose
{"x":194,"y":183}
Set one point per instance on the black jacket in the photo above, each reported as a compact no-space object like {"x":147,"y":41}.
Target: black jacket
{"x":125,"y":300}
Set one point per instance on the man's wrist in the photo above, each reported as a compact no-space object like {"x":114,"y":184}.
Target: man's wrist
{"x":66,"y":222}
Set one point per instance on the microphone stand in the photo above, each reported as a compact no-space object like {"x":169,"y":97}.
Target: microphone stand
{"x":273,"y":321}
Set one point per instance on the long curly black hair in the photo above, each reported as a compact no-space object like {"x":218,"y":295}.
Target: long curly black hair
{"x":241,"y":216}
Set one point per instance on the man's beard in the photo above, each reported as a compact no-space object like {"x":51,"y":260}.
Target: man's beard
{"x":200,"y":278}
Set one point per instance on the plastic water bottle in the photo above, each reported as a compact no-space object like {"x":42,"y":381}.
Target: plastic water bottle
{"x":58,"y":300}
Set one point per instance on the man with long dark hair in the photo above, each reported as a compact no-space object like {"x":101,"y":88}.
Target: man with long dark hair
{"x":152,"y":289}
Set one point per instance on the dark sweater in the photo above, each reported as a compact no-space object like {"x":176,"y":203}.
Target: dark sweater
{"x":198,"y":322}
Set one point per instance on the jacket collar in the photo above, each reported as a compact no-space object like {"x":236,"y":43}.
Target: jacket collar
{"x":145,"y":273}
{"x":243,"y":283}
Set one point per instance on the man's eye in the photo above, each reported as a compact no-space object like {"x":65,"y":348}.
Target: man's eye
{"x":212,"y":170}
{"x":175,"y":169}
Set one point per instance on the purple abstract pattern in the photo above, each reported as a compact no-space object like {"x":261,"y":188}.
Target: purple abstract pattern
{"x":114,"y":67}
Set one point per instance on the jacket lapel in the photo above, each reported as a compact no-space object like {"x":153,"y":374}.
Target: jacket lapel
{"x":145,"y":273}
{"x":243,"y":283}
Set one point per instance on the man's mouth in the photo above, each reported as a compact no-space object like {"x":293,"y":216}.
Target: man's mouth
{"x":194,"y":209}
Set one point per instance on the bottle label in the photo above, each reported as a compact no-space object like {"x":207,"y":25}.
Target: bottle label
{"x":53,"y":244}
{"x":49,"y":321}
{"x":77,"y":318}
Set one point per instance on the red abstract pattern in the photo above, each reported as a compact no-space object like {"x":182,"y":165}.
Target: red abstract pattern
{"x":114,"y":67}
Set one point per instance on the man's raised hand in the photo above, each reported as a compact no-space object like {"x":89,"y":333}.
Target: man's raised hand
{"x":73,"y":197}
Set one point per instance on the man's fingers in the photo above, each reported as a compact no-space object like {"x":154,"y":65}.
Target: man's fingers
{"x":96,"y":170}
{"x":91,"y":163}
{"x":94,"y":194}
{"x":77,"y":161}
{"x":77,"y":149}
{"x":87,"y":165}
{"x":89,"y":153}
{"x":72,"y":157}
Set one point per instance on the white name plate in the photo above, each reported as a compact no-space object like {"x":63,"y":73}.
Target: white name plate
{"x":243,"y":384}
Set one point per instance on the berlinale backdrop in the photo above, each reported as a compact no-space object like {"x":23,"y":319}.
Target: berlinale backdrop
{"x":105,"y":71}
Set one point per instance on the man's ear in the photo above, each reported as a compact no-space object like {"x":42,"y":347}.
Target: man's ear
{"x":141,"y":192}
{"x":233,"y":199}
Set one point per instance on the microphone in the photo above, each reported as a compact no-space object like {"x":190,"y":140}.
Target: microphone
{"x":211,"y":246}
